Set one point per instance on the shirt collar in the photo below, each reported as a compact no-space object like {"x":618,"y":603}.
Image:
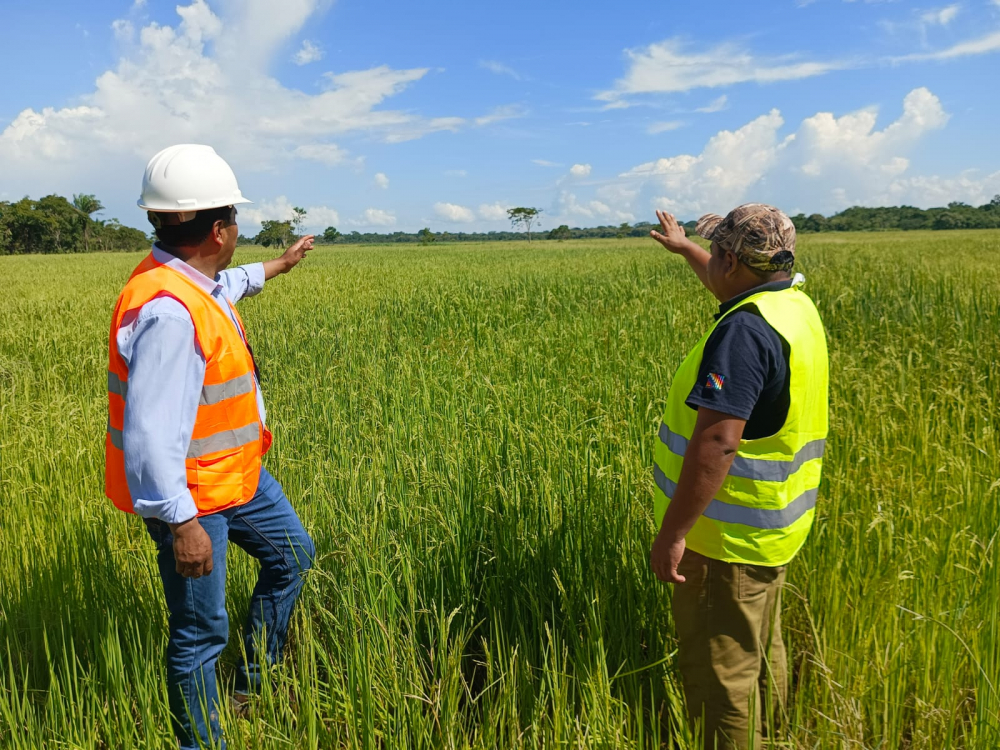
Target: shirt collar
{"x":771,"y":286}
{"x":160,"y":255}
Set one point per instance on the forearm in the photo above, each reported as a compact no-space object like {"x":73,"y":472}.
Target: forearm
{"x":276,"y":267}
{"x":706,"y":464}
{"x":697,"y":257}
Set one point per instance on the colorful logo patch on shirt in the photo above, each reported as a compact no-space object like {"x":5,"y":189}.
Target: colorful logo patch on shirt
{"x":715,"y":382}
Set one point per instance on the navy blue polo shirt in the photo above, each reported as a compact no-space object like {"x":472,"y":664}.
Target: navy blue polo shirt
{"x":744,"y":369}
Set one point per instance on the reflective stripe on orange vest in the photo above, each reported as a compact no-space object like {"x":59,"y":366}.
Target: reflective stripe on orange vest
{"x":224,"y":456}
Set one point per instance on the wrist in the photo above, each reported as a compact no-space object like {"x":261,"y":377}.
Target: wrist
{"x":689,"y":247}
{"x":184,"y":527}
{"x":669,"y":534}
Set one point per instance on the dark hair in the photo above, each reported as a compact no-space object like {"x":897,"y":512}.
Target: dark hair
{"x":193,"y":233}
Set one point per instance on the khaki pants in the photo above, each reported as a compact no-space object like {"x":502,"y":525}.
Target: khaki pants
{"x":731,"y":656}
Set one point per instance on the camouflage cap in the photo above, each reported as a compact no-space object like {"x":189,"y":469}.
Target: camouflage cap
{"x":759,"y":235}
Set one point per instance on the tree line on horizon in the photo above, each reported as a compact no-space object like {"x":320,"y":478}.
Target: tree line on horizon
{"x":855,"y":219}
{"x":53,"y":224}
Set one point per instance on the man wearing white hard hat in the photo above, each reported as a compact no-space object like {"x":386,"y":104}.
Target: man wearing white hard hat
{"x":187,"y":432}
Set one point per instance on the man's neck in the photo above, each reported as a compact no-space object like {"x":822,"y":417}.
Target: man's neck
{"x":206,"y":265}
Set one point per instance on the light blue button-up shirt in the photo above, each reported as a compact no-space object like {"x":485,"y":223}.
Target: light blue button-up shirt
{"x":166,"y":371}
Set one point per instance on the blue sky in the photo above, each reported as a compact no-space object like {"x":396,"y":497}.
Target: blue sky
{"x":384,"y":115}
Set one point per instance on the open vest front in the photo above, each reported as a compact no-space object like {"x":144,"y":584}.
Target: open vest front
{"x":224,"y":454}
{"x":765,"y":508}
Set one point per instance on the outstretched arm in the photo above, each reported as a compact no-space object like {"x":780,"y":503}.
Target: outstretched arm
{"x":289,"y":259}
{"x":675,"y":240}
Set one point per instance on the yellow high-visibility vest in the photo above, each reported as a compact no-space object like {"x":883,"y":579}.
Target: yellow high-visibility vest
{"x":765,"y":509}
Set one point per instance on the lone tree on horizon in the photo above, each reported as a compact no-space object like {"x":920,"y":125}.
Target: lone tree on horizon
{"x":523,"y":217}
{"x":298,"y":216}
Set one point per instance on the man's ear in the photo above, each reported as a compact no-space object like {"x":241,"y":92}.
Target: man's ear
{"x":217,"y":228}
{"x":732,"y":264}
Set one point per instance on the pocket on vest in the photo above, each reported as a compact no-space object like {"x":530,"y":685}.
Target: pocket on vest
{"x":220,"y":475}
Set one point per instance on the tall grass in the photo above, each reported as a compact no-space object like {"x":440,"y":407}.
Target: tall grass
{"x":468,"y":431}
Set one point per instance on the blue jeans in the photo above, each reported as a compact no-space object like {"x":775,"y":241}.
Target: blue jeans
{"x":268,"y":529}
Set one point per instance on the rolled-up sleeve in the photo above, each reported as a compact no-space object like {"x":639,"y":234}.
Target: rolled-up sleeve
{"x":243,"y":281}
{"x":165,"y":375}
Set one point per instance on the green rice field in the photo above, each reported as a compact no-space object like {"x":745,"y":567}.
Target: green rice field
{"x":467,"y":431}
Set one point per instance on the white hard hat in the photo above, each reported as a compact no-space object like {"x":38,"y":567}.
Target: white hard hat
{"x":187,"y":178}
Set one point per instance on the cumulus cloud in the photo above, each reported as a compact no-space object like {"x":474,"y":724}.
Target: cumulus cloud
{"x":580,"y":170}
{"x":280,"y":209}
{"x":325,"y":153}
{"x":569,"y":207}
{"x":673,"y":66}
{"x":500,"y":69}
{"x":826,"y":163}
{"x":308,"y":53}
{"x":190,"y":83}
{"x":123,"y":30}
{"x":381,"y":180}
{"x":454,"y":213}
{"x":493,"y":211}
{"x":664,"y":127}
{"x":374,"y":217}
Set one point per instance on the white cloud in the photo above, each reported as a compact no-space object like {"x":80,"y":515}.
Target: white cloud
{"x":325,"y":153}
{"x":716,"y":105}
{"x":493,"y":211}
{"x":190,"y":83}
{"x":827,"y":164}
{"x":308,"y":53}
{"x":374,"y":217}
{"x":506,"y":112}
{"x":280,"y":209}
{"x":545,"y":163}
{"x":663,"y":127}
{"x":670,"y":66}
{"x":123,"y":30}
{"x":940,"y":16}
{"x":967,"y":187}
{"x":381,"y":180}
{"x":569,"y":207}
{"x":454,"y":213}
{"x":500,"y":69}
{"x":580,"y":170}
{"x":981,"y":46}
{"x":456,"y":173}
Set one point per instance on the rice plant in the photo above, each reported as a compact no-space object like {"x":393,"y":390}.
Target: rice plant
{"x":467,"y":432}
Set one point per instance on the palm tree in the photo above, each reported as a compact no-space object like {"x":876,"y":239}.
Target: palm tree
{"x":87,"y":205}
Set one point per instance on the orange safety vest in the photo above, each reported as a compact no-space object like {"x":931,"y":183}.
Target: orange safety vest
{"x":224,"y":456}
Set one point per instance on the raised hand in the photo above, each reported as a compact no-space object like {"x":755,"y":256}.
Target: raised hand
{"x":673,"y":236}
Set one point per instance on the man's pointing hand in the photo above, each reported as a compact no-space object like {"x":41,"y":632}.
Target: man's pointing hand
{"x":290,"y":258}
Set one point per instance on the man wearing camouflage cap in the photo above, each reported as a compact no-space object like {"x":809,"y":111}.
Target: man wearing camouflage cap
{"x":737,"y":469}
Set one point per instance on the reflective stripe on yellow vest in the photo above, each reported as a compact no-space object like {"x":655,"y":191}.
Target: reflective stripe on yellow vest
{"x":765,"y":509}
{"x":224,"y":455}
